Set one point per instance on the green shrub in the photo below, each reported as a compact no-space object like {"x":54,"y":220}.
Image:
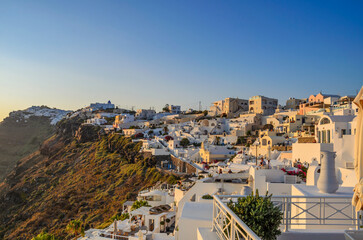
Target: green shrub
{"x":259,"y":214}
{"x":207,"y":196}
{"x":44,"y":236}
{"x":184,"y":142}
{"x":172,"y":179}
{"x":139,"y":204}
{"x":121,"y":217}
{"x":75,"y":227}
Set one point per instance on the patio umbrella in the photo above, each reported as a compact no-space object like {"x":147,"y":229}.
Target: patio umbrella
{"x":357,"y":200}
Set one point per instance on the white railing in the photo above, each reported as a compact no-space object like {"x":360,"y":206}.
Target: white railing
{"x":228,"y":225}
{"x":299,"y":212}
{"x":112,"y":236}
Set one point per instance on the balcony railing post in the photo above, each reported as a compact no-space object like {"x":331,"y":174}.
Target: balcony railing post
{"x":287,"y":207}
{"x":359,"y":220}
{"x":214,"y":214}
{"x":233,"y":230}
{"x":320,"y":211}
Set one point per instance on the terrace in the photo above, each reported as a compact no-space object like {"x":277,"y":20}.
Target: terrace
{"x":143,"y":223}
{"x":304,"y":217}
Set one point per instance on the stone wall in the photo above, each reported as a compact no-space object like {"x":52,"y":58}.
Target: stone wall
{"x":182,"y":166}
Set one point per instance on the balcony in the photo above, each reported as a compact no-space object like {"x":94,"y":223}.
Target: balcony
{"x":303,"y":217}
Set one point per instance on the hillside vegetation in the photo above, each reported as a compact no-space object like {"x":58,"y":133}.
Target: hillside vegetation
{"x":19,"y":138}
{"x":73,"y":178}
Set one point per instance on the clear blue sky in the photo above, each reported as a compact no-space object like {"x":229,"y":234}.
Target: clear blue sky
{"x":67,"y":54}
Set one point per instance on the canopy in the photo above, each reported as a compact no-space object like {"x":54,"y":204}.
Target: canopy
{"x":357,"y":200}
{"x":141,"y":211}
{"x":120,"y":225}
{"x":153,"y":193}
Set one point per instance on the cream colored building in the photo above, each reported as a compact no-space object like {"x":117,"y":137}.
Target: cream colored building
{"x":262,"y":105}
{"x":293,"y":103}
{"x":131,"y":131}
{"x":230,"y":106}
{"x":292,"y":122}
{"x":209,"y":153}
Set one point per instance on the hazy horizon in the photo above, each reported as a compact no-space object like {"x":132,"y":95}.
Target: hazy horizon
{"x":146,"y":54}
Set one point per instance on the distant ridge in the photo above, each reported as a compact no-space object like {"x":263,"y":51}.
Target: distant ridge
{"x":22,"y":132}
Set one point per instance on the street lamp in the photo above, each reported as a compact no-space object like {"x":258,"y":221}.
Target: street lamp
{"x":256,"y":144}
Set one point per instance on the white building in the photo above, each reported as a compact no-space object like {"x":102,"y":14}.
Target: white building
{"x":146,"y":114}
{"x":123,"y":119}
{"x":333,"y":127}
{"x":174,"y":109}
{"x":157,"y":197}
{"x":96,"y":121}
{"x":99,"y":106}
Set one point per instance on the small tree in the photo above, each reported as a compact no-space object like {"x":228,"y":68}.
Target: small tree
{"x":166,"y":108}
{"x":184,"y":142}
{"x":138,"y":204}
{"x":259,"y":214}
{"x":75,"y":227}
{"x":121,"y":217}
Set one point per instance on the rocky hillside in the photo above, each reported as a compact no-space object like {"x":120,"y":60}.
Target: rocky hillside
{"x":22,"y":133}
{"x":79,"y":173}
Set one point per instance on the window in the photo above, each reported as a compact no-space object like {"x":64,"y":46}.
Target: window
{"x":319,"y":136}
{"x":264,"y":142}
{"x":328,"y":136}
{"x":323,"y":136}
{"x":344,"y":132}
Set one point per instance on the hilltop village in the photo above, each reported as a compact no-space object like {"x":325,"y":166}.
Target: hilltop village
{"x":237,"y":147}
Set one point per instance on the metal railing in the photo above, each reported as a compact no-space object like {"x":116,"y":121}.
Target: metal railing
{"x":299,"y":212}
{"x":228,"y":225}
{"x":112,"y":236}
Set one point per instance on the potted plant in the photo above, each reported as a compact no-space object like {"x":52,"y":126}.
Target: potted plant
{"x":259,"y":214}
